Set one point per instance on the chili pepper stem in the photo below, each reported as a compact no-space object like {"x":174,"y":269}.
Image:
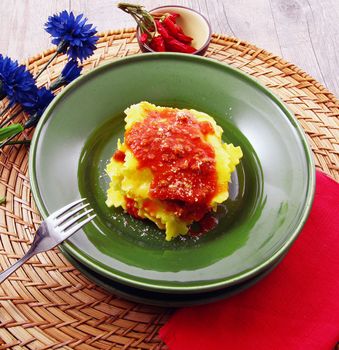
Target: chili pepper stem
{"x":141,"y":24}
{"x":143,"y":18}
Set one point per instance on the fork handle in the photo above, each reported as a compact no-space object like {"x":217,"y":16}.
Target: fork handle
{"x":5,"y":274}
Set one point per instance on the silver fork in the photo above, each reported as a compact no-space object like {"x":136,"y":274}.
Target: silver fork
{"x":54,"y":230}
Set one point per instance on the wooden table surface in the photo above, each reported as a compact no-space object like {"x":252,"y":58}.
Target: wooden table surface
{"x":304,"y":32}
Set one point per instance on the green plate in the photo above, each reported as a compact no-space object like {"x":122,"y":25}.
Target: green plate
{"x":138,"y":295}
{"x":270,"y":196}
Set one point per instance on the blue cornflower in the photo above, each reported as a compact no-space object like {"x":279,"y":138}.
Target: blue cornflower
{"x":16,"y":82}
{"x":36,"y":107}
{"x":72,"y":35}
{"x":42,"y":100}
{"x":70,"y":72}
{"x":38,"y":103}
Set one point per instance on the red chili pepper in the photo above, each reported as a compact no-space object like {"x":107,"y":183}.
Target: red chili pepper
{"x":176,"y":31}
{"x":179,"y":36}
{"x":171,"y":27}
{"x":177,"y":46}
{"x":173,"y":16}
{"x":143,"y":38}
{"x":158,"y":44}
{"x":162,"y":31}
{"x":184,"y":38}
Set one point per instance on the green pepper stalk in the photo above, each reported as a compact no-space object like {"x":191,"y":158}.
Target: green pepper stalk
{"x":143,"y":18}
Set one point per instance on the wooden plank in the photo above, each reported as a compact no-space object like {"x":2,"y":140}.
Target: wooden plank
{"x":106,"y":15}
{"x":22,"y":22}
{"x":323,"y":29}
{"x":223,"y":16}
{"x":307,"y":30}
{"x":304,"y":32}
{"x":249,"y":20}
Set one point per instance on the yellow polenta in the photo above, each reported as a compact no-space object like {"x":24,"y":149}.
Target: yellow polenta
{"x":130,"y":181}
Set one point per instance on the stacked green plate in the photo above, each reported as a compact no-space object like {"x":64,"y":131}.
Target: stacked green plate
{"x":270,"y":195}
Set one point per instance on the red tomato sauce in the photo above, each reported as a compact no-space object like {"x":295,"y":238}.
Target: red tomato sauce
{"x":119,"y":156}
{"x":171,"y":143}
{"x":207,"y":223}
{"x":131,"y":208}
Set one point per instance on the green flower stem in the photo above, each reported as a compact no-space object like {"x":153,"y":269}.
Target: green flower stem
{"x":32,"y":121}
{"x":59,"y":82}
{"x":19,"y":142}
{"x":46,"y":65}
{"x":8,"y":131}
{"x":4,"y":123}
{"x":6,"y":142}
{"x":61,"y":48}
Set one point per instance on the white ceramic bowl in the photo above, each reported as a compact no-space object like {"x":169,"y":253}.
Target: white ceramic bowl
{"x":193,"y":23}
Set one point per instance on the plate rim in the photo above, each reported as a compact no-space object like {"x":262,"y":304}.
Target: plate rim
{"x":209,"y":297}
{"x":212,"y":284}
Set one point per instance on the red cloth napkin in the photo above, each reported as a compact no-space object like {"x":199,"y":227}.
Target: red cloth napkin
{"x":296,"y":307}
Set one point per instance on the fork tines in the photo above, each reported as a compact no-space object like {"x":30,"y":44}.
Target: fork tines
{"x":69,"y":218}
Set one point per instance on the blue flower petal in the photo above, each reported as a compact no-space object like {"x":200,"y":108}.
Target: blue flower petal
{"x":38,"y":103}
{"x":70,"y":72}
{"x":18,"y":84}
{"x":75,"y":31}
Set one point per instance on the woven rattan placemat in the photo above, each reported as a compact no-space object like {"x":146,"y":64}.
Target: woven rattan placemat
{"x":48,"y":304}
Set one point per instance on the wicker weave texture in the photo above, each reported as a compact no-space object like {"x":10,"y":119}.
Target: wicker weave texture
{"x":48,"y":304}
